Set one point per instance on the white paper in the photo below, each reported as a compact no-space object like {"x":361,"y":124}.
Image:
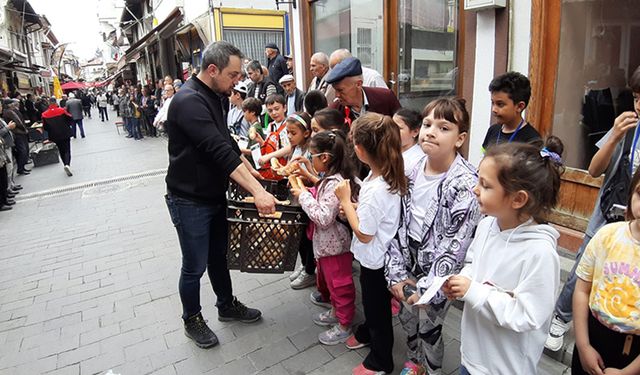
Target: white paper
{"x":428,"y":294}
{"x":243,"y":143}
{"x":256,"y":154}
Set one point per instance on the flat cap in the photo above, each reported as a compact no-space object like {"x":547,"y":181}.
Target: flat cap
{"x":272,"y":46}
{"x":286,"y":78}
{"x":349,"y":67}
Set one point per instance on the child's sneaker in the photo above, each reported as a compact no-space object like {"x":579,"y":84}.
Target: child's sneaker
{"x":353,"y":343}
{"x":558,"y":329}
{"x":304,"y":280}
{"x":325,"y":319}
{"x":316,"y":299}
{"x":334,"y":336}
{"x":294,"y":275}
{"x":361,"y":370}
{"x":411,"y":368}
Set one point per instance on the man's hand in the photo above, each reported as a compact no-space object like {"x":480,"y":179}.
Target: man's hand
{"x":256,"y":174}
{"x":623,"y":123}
{"x":11,"y":125}
{"x":456,"y":286}
{"x":265,"y":202}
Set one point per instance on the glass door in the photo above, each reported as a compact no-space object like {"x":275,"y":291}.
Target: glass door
{"x":427,"y":66}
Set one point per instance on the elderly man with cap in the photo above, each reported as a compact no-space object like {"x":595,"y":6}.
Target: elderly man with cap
{"x":289,"y":59}
{"x":319,"y":67}
{"x":20,"y":132}
{"x":57,"y":122}
{"x":370,"y":77}
{"x":353,"y":98}
{"x":293,"y":95}
{"x":276,"y":64}
{"x":235,"y":120}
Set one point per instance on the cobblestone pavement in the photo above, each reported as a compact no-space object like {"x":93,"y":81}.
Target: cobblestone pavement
{"x":88,"y":282}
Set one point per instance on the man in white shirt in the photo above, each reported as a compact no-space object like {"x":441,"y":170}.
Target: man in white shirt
{"x":293,"y":95}
{"x":370,"y":77}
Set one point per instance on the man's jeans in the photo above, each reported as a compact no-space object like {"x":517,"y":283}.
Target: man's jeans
{"x":202,"y":232}
{"x":564,"y":307}
{"x":78,"y":124}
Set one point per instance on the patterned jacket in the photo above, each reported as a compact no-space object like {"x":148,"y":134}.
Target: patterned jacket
{"x":330,"y":237}
{"x":449,"y":224}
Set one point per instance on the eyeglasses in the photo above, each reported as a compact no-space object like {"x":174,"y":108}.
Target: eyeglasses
{"x":322,"y":153}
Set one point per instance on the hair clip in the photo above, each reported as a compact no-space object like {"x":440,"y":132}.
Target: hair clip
{"x":332,"y":135}
{"x":545,"y":153}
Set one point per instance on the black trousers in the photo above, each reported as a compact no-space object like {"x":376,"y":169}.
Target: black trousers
{"x":21,"y":142}
{"x":377,"y":329}
{"x":87,"y":111}
{"x":610,"y":345}
{"x":4,"y":184}
{"x":103,"y":113}
{"x":306,"y":255}
{"x":64,"y":148}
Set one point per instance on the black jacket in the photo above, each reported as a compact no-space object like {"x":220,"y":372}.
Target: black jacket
{"x":299,"y":100}
{"x":277,"y":68}
{"x":262,"y":93}
{"x":15,"y":116}
{"x":202,"y":154}
{"x":57,"y":122}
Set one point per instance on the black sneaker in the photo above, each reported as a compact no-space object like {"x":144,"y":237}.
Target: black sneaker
{"x":238,"y":311}
{"x":197,"y":330}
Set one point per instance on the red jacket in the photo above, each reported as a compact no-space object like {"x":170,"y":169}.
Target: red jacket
{"x":57,"y":122}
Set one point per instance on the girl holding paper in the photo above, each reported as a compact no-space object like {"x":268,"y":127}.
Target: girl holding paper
{"x":439,"y":215}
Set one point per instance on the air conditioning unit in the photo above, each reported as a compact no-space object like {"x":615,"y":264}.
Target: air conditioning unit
{"x":476,"y":5}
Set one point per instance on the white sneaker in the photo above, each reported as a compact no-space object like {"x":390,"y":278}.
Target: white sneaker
{"x":303,"y":281}
{"x":294,"y":275}
{"x":556,"y":334}
{"x":67,"y":170}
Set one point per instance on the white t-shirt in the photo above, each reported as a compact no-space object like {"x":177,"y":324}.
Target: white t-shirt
{"x":636,"y":154}
{"x":424,"y":189}
{"x":379,"y":215}
{"x":411,"y":157}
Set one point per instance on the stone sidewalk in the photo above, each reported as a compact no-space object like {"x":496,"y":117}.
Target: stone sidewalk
{"x":88,"y":283}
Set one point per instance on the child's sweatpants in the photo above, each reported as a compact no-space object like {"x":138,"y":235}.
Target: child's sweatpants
{"x":335,"y":283}
{"x":377,"y":330}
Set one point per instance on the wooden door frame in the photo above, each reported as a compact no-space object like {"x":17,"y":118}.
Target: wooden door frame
{"x":543,"y":63}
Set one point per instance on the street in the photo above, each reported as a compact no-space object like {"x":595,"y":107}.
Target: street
{"x":89,"y":268}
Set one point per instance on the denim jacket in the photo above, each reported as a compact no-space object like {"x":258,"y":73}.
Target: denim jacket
{"x":446,"y":232}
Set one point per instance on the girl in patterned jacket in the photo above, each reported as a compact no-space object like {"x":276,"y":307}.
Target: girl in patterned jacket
{"x":439,"y":215}
{"x":331,"y":238}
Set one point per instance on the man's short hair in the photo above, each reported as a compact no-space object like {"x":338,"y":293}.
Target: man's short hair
{"x":275,"y":98}
{"x":218,"y":54}
{"x":255,"y":66}
{"x":53,"y":100}
{"x":315,"y":100}
{"x":634,"y":81}
{"x":321,"y":58}
{"x":514,"y":84}
{"x":252,"y":105}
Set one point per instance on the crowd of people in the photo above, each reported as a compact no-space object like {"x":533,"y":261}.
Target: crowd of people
{"x":388,"y":187}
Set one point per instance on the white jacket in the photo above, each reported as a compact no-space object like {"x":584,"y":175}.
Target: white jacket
{"x":508,"y":307}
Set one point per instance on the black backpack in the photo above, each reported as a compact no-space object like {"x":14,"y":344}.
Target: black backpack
{"x":617,"y":190}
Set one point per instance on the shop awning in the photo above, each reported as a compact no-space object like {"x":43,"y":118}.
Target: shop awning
{"x":167,"y":26}
{"x":73,"y":86}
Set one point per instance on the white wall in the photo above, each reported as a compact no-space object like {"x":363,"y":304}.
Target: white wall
{"x":483,"y":74}
{"x":519,"y":36}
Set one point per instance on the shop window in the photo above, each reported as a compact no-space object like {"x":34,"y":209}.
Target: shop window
{"x":598,"y":52}
{"x":252,"y":42}
{"x":427,"y":55}
{"x":356,"y":25}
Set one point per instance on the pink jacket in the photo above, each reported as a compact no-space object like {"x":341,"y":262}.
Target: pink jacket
{"x":330,"y":237}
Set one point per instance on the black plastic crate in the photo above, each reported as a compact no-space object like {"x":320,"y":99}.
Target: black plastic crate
{"x":279,"y":190}
{"x":263,"y":244}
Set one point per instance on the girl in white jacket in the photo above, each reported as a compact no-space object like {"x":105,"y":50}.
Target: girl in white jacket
{"x":510,"y":284}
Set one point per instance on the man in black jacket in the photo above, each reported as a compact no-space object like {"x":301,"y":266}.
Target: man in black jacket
{"x":57,"y":122}
{"x":262,"y":86}
{"x":276,"y":63}
{"x":294,"y":96}
{"x":20,"y":133}
{"x":202,"y":158}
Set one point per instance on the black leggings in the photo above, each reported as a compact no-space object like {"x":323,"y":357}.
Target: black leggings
{"x":306,"y":255}
{"x":609,"y":344}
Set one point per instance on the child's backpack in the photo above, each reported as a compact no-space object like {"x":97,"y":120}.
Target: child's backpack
{"x":617,"y":190}
{"x":271,"y":144}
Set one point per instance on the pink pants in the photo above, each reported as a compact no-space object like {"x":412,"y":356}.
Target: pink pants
{"x":335,"y":283}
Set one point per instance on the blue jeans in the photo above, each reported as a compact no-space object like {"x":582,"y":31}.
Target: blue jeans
{"x":463,"y":371}
{"x":202,"y":233}
{"x":78,"y":123}
{"x":564,"y":307}
{"x":135,"y":128}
